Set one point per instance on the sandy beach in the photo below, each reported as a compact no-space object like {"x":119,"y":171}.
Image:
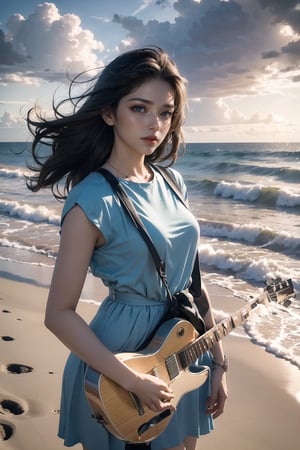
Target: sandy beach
{"x":262,"y":412}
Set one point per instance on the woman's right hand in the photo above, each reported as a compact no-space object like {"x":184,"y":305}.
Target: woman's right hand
{"x":153,"y":392}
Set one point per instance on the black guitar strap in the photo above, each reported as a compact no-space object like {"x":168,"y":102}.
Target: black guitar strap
{"x":131,"y":211}
{"x":195,"y":288}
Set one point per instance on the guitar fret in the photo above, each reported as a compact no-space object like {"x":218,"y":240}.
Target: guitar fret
{"x":190,"y":353}
{"x":206,"y":342}
{"x":212,"y":339}
{"x":183,"y":359}
{"x":216,"y":334}
{"x":198,"y":348}
{"x":226,"y":326}
{"x":203,"y":346}
{"x":194,"y":353}
{"x":235,"y":320}
{"x":232,"y":323}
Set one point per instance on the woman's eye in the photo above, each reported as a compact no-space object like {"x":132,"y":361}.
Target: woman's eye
{"x":138,"y":108}
{"x":167,"y":114}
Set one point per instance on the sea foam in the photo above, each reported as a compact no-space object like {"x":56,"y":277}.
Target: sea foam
{"x":244,"y":265}
{"x":12,"y":173}
{"x":252,"y":233}
{"x":288,"y":198}
{"x":238,"y":191}
{"x":270,"y":196}
{"x":37,"y":214}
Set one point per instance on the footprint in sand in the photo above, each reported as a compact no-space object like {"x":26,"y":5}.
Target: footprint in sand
{"x":6,"y":431}
{"x":19,"y":368}
{"x":7,"y":338}
{"x":15,"y":368}
{"x":11,"y":407}
{"x":9,"y":312}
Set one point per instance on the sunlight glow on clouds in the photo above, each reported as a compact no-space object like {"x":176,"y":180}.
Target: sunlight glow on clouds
{"x":19,"y":78}
{"x":288,"y":31}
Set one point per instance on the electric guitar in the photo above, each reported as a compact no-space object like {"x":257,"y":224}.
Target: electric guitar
{"x":175,"y":346}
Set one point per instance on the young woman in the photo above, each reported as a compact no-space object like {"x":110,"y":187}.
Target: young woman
{"x":131,"y":117}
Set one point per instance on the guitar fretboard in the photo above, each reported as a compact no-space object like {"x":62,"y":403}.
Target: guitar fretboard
{"x":279,"y":293}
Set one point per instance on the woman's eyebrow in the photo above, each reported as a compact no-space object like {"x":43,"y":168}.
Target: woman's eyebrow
{"x":149,"y":102}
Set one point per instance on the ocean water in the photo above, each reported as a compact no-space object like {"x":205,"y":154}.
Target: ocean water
{"x":247,"y":201}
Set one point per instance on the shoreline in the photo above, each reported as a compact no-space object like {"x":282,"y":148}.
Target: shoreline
{"x":261,"y":413}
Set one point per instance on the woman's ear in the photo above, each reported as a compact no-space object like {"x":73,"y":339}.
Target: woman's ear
{"x":108,"y":117}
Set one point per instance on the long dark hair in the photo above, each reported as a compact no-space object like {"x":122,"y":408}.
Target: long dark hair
{"x":81,"y":142}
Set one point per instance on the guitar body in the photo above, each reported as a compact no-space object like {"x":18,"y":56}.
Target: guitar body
{"x":175,"y":346}
{"x":120,"y":411}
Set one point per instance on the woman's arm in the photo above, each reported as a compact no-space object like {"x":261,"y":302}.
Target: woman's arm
{"x":219,"y":390}
{"x":79,"y":237}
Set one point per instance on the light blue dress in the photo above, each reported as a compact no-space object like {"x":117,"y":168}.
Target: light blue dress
{"x":124,"y":264}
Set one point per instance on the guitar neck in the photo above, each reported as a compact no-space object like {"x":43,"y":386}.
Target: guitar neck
{"x":205,"y":342}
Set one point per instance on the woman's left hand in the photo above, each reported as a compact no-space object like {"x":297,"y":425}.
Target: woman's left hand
{"x":219,"y":392}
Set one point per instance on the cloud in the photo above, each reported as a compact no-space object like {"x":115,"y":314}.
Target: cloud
{"x":234,"y":116}
{"x":284,"y":11}
{"x":162,"y":3}
{"x":47,"y":42}
{"x":270,"y":54}
{"x":8,"y":56}
{"x":222,"y":47}
{"x":293,"y":48}
{"x":19,"y":78}
{"x":209,"y":111}
{"x":9,"y":120}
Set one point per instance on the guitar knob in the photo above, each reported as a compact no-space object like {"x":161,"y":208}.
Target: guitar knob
{"x":180,"y":332}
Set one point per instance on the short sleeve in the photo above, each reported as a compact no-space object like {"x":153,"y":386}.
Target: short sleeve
{"x":94,"y":196}
{"x":177,"y":177}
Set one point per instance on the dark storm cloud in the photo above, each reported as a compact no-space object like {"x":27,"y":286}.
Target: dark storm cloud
{"x":217,"y":44}
{"x":270,"y":54}
{"x":284,"y":11}
{"x":8,"y":56}
{"x":293,"y":48}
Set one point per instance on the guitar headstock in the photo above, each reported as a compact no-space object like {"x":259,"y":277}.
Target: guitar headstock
{"x":280,"y":291}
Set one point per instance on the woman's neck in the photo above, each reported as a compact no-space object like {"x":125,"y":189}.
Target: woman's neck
{"x":141,"y":172}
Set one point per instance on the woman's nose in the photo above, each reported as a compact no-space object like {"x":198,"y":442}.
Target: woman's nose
{"x":153,"y":121}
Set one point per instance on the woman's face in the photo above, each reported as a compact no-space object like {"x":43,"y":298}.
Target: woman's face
{"x":142,"y":119}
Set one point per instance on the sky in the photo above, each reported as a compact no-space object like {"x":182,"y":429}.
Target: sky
{"x":241,"y":59}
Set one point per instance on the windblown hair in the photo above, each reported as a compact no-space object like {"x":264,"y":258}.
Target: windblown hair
{"x":81,"y":142}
